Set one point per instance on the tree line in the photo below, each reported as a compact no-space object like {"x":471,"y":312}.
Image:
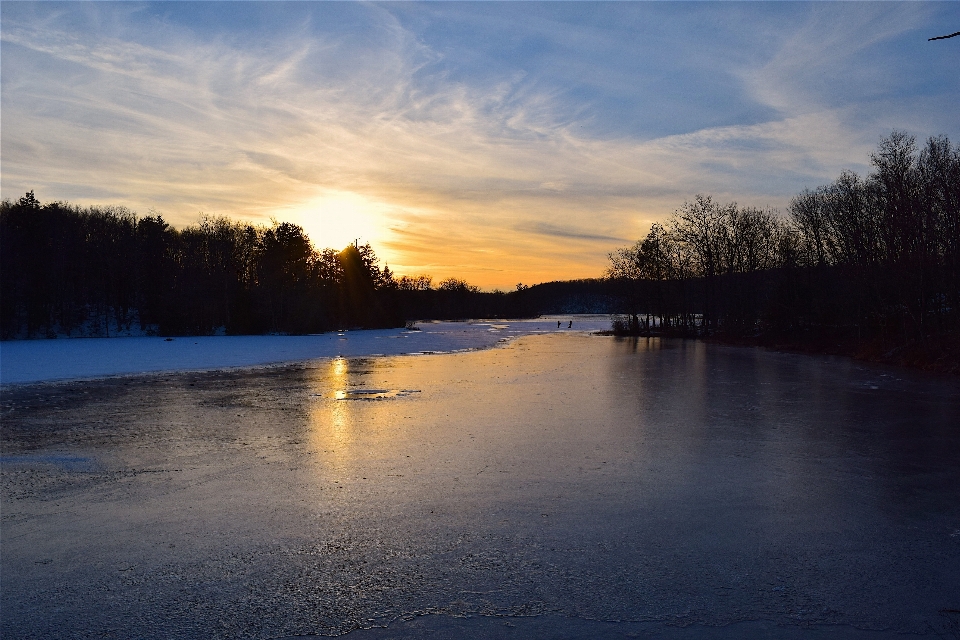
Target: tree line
{"x":862,"y":258}
{"x":70,"y":270}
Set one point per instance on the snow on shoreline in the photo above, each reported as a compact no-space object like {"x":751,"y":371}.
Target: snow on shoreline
{"x":31,"y":361}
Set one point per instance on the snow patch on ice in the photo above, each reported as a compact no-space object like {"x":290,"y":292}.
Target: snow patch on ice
{"x":28,"y":361}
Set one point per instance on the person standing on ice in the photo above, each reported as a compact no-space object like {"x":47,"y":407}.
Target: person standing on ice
{"x":558,"y":324}
{"x":570,"y":326}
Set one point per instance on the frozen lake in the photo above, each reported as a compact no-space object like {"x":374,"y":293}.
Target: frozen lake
{"x":26,"y":361}
{"x":557,"y":486}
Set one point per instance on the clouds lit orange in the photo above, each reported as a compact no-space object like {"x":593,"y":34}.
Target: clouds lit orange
{"x":498,"y":143}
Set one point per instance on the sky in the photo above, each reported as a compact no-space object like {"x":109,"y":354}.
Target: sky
{"x":495,"y":142}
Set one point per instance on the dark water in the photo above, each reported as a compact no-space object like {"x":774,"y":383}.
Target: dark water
{"x":563,"y":486}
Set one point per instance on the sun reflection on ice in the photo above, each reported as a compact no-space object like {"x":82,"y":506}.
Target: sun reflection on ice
{"x":332,"y":421}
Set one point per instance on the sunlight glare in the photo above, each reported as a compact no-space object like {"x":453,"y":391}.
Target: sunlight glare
{"x":331,"y":420}
{"x":335,"y":219}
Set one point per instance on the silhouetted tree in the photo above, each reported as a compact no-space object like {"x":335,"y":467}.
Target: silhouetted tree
{"x":872,"y":258}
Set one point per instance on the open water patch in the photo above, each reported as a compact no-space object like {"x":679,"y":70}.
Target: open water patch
{"x":372,"y":394}
{"x":66,"y":462}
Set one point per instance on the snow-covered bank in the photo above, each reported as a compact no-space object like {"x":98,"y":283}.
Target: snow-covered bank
{"x":26,"y":361}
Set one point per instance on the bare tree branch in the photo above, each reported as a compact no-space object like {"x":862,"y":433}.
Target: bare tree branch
{"x":944,"y":37}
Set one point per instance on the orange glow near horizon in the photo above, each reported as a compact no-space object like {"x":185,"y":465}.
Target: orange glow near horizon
{"x":492,"y":247}
{"x":442,"y":241}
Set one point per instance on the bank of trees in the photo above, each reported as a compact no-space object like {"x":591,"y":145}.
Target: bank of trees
{"x":867,"y":258}
{"x":863,"y":258}
{"x":69,"y":270}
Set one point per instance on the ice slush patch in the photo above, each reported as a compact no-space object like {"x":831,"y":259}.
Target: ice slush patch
{"x":372,"y":394}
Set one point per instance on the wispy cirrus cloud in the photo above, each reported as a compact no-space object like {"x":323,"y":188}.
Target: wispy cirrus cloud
{"x":494,"y":142}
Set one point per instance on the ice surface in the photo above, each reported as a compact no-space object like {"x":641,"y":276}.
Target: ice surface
{"x":563,"y":486}
{"x":26,"y":361}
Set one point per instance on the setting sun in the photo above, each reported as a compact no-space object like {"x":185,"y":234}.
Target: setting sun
{"x":335,"y":219}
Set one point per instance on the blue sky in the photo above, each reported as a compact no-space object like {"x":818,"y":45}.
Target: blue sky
{"x":498,"y":142}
